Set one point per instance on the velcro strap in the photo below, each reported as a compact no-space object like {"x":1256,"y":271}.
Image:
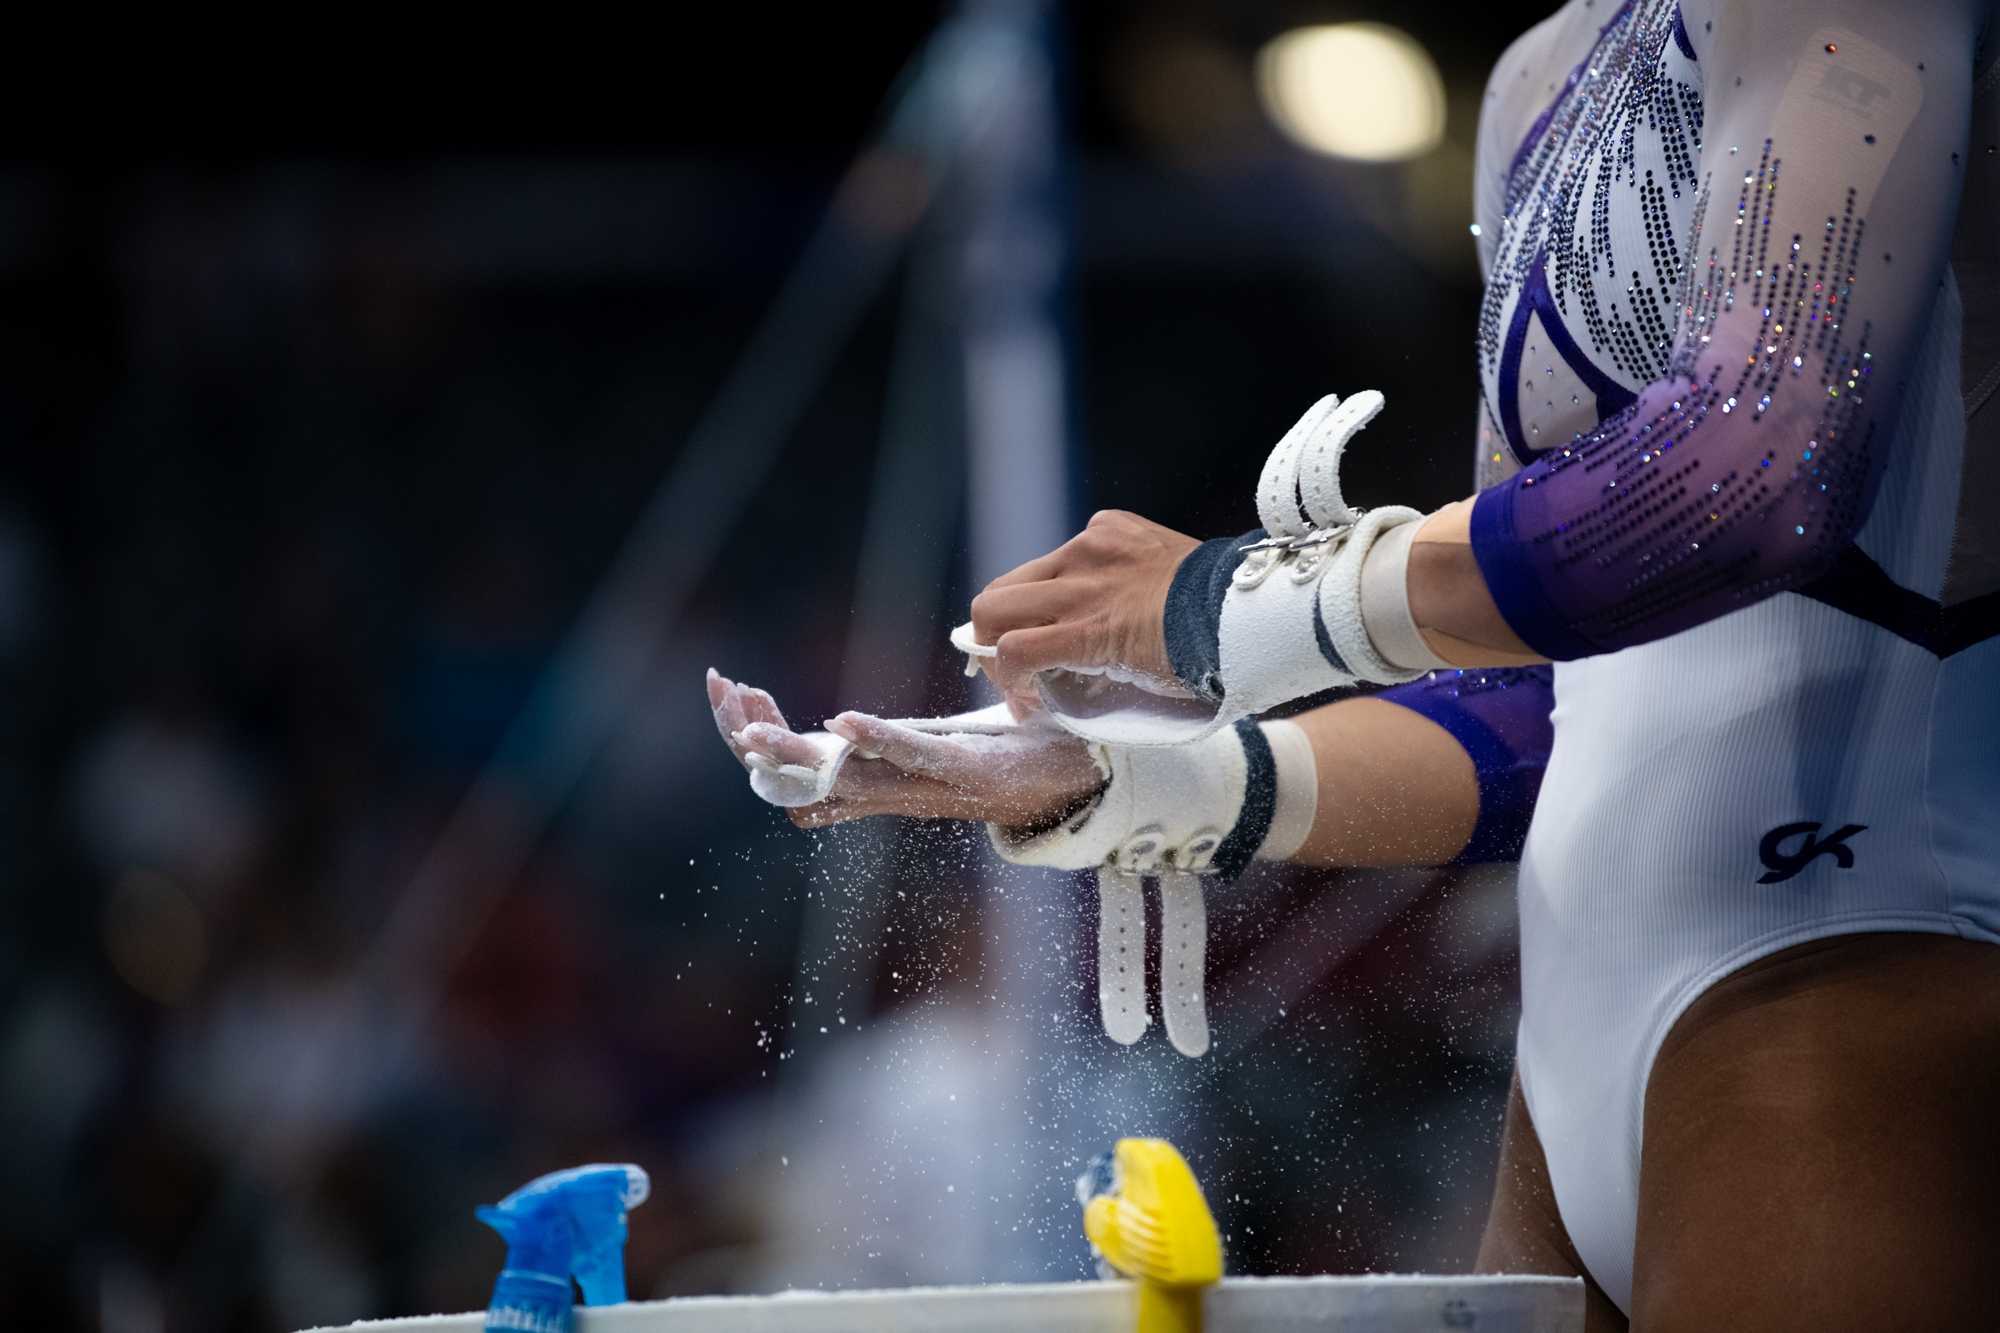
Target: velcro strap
{"x":1339,"y":621}
{"x":1272,"y":644}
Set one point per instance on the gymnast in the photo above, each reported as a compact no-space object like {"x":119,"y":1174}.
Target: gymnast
{"x":1713,"y":651}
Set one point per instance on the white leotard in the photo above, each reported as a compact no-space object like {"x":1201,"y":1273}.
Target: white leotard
{"x":1810,"y":765}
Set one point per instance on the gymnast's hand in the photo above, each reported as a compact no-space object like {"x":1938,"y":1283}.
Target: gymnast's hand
{"x":1097,"y":600}
{"x":1029,"y":778}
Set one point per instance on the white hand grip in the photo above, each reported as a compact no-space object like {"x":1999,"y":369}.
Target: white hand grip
{"x":1319,"y":459}
{"x":1121,"y":956}
{"x":1183,"y":959}
{"x":1278,"y":485}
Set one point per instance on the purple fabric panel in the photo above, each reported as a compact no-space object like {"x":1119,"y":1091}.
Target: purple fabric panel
{"x":1501,"y":716}
{"x":1690,"y":505}
{"x":1514,"y":578}
{"x":1745,"y":468}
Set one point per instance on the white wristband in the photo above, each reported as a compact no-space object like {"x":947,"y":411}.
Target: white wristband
{"x":1298,"y":791}
{"x":1385,"y":603}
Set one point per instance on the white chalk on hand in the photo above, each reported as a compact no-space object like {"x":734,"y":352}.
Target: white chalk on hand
{"x":795,"y":784}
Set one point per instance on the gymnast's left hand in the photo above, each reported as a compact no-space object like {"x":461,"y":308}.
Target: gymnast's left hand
{"x":1027,"y":779}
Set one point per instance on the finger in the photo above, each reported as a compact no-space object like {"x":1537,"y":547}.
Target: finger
{"x":718,"y":688}
{"x":1042,"y":568}
{"x":1109,"y":532}
{"x":728,"y":711}
{"x":842,"y":810}
{"x":877,"y":787}
{"x":759,"y":706}
{"x":998,"y":612}
{"x":911,"y":751}
{"x":881,"y":787}
{"x":882,"y":790}
{"x":1026,"y":652}
{"x":779,"y":743}
{"x":1018,"y":705}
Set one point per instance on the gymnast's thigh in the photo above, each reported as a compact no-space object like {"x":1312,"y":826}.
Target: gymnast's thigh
{"x":1820,"y":1148}
{"x":1524,"y":1232}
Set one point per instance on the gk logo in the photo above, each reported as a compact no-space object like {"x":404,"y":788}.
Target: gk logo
{"x":1783,"y":867}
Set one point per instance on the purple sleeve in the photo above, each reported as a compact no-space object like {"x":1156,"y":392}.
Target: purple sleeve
{"x":1806,"y":291}
{"x":1672,"y":514}
{"x":1501,"y":716}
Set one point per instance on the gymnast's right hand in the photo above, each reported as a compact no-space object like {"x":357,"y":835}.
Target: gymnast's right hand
{"x":1028,"y":778}
{"x":1096,"y":601}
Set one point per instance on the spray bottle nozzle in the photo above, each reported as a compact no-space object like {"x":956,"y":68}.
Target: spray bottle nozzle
{"x":567,"y":1224}
{"x":1144,"y":1214}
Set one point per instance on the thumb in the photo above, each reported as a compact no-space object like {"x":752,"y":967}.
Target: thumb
{"x":912,"y":751}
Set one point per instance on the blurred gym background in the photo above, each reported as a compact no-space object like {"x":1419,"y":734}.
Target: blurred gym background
{"x":397,"y":417}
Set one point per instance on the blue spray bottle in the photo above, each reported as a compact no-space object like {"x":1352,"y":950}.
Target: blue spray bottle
{"x":569,"y":1223}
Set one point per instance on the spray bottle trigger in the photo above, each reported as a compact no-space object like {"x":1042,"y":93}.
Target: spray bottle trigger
{"x":570,"y":1224}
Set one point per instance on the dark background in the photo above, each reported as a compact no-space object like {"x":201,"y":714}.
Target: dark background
{"x":338,"y":352}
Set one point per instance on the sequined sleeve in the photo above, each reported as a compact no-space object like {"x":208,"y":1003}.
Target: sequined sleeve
{"x":1501,"y":718}
{"x":1830,"y":149}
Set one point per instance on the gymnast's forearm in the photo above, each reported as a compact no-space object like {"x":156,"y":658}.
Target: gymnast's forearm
{"x":1449,"y":600}
{"x":1395,"y":788}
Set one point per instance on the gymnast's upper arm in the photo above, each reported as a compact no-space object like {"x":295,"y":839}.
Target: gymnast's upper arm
{"x":1832,"y":154}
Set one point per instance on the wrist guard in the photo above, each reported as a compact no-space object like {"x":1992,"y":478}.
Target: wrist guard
{"x":1176,"y":813}
{"x":1273,"y":616}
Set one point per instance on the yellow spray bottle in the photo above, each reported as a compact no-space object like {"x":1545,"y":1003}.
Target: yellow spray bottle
{"x":1144,"y":1213}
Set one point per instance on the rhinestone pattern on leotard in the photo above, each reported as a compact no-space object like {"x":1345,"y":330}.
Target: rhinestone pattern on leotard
{"x":1660,"y":524}
{"x":1579,"y":311}
{"x":1663,"y":523}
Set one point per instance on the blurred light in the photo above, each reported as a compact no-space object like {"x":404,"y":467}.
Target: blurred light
{"x":1357,"y":90}
{"x":155,"y":936}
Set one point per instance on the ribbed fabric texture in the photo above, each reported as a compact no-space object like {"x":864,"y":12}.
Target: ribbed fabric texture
{"x":1194,"y":612}
{"x":1501,"y":716}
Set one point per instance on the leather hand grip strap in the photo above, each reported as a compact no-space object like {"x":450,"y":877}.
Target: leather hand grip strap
{"x":1274,"y":617}
{"x":1121,"y":956}
{"x":1183,"y":961}
{"x":1299,"y":490}
{"x":1175,"y":814}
